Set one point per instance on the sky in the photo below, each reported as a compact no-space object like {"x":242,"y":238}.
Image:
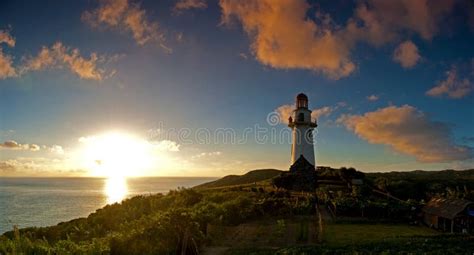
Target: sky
{"x":205,"y":88}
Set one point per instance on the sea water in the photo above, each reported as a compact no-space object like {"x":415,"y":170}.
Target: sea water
{"x":27,"y":202}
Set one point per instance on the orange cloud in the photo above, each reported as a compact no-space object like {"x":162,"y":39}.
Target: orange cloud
{"x":406,"y":54}
{"x":452,"y":86}
{"x":324,"y":111}
{"x":59,"y":56}
{"x":285,"y":111}
{"x":282,"y":36}
{"x":122,"y":15}
{"x":6,"y":38}
{"x":6,"y":66}
{"x":383,"y":21}
{"x":409,"y":131}
{"x":189,"y":4}
{"x":6,"y":61}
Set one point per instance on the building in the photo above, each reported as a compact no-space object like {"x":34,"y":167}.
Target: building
{"x":302,"y":131}
{"x":450,"y":215}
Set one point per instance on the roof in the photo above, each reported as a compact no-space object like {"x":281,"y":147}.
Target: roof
{"x":302,"y":96}
{"x":446,"y":208}
{"x":301,"y":164}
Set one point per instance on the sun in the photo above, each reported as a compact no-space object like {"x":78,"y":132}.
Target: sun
{"x":117,"y":155}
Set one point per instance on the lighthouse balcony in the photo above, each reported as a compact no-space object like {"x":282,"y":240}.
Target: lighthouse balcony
{"x":302,"y":123}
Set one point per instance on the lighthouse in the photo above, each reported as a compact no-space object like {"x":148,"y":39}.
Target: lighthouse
{"x":302,"y":147}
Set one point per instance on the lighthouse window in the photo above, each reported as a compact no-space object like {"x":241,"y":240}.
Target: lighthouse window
{"x":301,"y":117}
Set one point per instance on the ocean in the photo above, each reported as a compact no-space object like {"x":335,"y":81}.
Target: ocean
{"x":28,"y":202}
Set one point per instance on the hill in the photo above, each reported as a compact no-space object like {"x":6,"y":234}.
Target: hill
{"x":425,"y":184}
{"x":445,"y":175}
{"x":248,"y":178}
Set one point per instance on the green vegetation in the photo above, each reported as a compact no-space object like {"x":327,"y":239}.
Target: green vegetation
{"x":157,"y":224}
{"x":248,"y":178}
{"x":248,"y":215}
{"x":425,"y":184}
{"x":358,"y":233}
{"x":439,"y":245}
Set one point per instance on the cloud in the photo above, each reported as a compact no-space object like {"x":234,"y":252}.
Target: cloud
{"x":452,"y":86}
{"x":6,"y":61}
{"x":189,"y":4}
{"x":161,"y":145}
{"x":165,"y":145}
{"x":6,"y":66}
{"x":384,"y":21}
{"x":7,"y":168}
{"x":285,"y":111}
{"x":243,"y":56}
{"x":55,"y":149}
{"x":124,"y":16}
{"x":6,"y":38}
{"x":406,"y":54}
{"x":206,"y":154}
{"x":283,"y":37}
{"x":59,"y":56}
{"x":373,"y":98}
{"x":37,"y":166}
{"x":409,"y":131}
{"x":324,"y":111}
{"x":13,"y":145}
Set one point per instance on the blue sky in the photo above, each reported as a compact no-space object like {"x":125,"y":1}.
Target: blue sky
{"x":207,"y":65}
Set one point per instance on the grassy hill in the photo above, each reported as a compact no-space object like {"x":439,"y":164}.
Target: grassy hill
{"x":248,"y":178}
{"x":416,"y":184}
{"x":242,"y":221}
{"x":425,"y":184}
{"x":445,"y":175}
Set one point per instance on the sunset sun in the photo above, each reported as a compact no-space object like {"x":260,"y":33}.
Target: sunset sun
{"x":116,"y":154}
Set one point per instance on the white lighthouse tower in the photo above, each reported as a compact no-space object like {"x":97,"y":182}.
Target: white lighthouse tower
{"x":302,"y":134}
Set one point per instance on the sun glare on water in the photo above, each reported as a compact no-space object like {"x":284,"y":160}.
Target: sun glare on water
{"x":115,"y":189}
{"x":117,"y":156}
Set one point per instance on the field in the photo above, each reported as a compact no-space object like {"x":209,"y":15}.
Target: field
{"x":358,"y":238}
{"x":335,"y":234}
{"x":266,"y":233}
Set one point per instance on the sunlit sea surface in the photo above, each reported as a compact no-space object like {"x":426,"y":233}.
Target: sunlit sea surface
{"x":30,"y":202}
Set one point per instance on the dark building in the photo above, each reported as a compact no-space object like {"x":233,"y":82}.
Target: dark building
{"x":450,"y":215}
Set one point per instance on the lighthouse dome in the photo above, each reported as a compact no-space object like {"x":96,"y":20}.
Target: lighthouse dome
{"x":301,"y":96}
{"x":301,"y":101}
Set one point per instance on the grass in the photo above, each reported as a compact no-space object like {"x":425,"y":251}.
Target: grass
{"x":265,"y":233}
{"x":369,"y":238}
{"x":351,"y":234}
{"x":248,"y":178}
